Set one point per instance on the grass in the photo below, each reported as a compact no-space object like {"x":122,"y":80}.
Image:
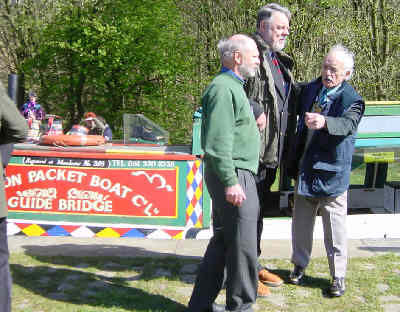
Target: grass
{"x":94,"y":284}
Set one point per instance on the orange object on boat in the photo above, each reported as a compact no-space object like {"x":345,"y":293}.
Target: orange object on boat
{"x":72,"y":140}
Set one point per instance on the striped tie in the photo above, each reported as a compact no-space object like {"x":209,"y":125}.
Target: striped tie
{"x":323,"y":98}
{"x":320,"y":104}
{"x":276,"y":63}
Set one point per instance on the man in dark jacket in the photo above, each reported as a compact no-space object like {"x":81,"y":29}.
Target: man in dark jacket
{"x":13,"y":128}
{"x":330,"y":111}
{"x":272,"y":89}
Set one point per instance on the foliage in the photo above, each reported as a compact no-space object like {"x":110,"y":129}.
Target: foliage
{"x":369,"y":28}
{"x":156,"y":57}
{"x":112,"y":57}
{"x":20,"y":25}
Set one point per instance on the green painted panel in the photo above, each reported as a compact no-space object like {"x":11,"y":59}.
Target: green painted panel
{"x":379,"y":143}
{"x":382,"y":110}
{"x":206,"y":207}
{"x":367,"y":135}
{"x":93,"y":219}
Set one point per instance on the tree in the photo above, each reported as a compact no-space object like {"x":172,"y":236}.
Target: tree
{"x":20,"y":25}
{"x":381,"y":25}
{"x":113,"y":57}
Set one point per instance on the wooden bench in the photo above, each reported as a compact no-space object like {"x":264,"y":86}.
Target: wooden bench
{"x":377,"y":145}
{"x":378,"y":140}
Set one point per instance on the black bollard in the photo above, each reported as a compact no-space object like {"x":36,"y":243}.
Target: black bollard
{"x":13,"y":87}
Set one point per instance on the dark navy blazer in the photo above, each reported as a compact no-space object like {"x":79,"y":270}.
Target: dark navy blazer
{"x":326,"y":166}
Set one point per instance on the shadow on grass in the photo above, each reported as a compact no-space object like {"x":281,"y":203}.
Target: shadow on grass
{"x":80,"y":287}
{"x":381,"y":249}
{"x":116,"y":258}
{"x":307,"y":281}
{"x":99,"y":250}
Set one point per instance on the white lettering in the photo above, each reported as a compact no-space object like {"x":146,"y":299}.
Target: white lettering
{"x":84,"y":205}
{"x":50,"y":174}
{"x":74,"y":193}
{"x":55,"y":175}
{"x":133,"y":163}
{"x":137,"y":198}
{"x":107,"y":185}
{"x":30,"y":203}
{"x":13,"y":180}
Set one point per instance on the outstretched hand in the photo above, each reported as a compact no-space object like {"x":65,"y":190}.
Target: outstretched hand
{"x":314,"y":121}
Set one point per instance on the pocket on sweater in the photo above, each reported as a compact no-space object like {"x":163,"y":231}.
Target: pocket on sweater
{"x":244,"y":121}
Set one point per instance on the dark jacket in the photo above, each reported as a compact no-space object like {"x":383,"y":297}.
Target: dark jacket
{"x":13,"y":128}
{"x":325,"y":168}
{"x":262,"y":90}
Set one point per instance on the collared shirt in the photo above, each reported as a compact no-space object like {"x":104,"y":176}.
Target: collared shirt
{"x":324,"y":97}
{"x":230,"y":71}
{"x":330,"y":93}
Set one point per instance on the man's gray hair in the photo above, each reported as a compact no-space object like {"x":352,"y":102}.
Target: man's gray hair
{"x":346,"y":56}
{"x":228,"y":46}
{"x":265,"y":12}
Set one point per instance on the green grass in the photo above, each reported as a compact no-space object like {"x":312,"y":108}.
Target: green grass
{"x":93,"y":284}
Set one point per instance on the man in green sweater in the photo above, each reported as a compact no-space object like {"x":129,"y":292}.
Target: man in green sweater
{"x":231,"y":144}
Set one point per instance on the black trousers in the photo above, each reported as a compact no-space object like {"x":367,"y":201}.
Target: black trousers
{"x":233,"y":247}
{"x":264,"y":179}
{"x":5,"y":276}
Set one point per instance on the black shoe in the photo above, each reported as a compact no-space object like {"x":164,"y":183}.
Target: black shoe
{"x":296,"y":275}
{"x":338,"y":287}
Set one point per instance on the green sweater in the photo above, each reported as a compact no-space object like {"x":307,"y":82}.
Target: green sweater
{"x":229,"y":134}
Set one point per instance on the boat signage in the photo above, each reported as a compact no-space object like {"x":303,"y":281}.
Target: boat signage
{"x":78,"y":188}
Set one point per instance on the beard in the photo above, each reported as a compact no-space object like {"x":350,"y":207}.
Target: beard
{"x":246,"y":71}
{"x":278,"y":45}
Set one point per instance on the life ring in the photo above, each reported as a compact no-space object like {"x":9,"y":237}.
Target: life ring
{"x":72,"y":140}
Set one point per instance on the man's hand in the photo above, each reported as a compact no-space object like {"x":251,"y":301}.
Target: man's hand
{"x":314,"y":121}
{"x":234,"y":194}
{"x":261,"y":122}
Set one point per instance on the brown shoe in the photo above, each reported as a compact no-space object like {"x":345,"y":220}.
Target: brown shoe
{"x":262,"y":290}
{"x":269,"y":278}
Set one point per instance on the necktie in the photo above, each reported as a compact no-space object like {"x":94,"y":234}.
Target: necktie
{"x":276,"y":63}
{"x":324,"y":97}
{"x":321,"y":102}
{"x":277,"y":68}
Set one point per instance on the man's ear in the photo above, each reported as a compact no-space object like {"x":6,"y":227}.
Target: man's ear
{"x":238,"y":57}
{"x":347,"y":74}
{"x":263,"y":25}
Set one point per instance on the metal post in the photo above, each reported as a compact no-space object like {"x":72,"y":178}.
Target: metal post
{"x":13,"y":87}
